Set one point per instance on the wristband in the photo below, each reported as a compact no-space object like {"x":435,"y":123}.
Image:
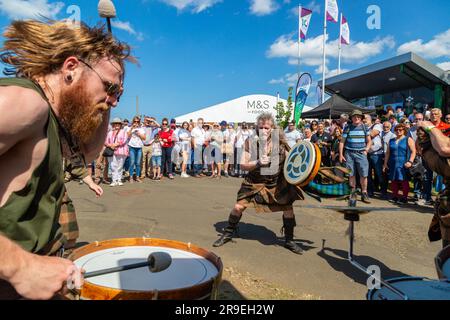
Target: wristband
{"x":428,"y":129}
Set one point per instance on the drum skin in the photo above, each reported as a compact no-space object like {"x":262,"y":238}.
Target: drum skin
{"x":442,"y":262}
{"x":415,"y":288}
{"x":309,"y":173}
{"x":202,"y":291}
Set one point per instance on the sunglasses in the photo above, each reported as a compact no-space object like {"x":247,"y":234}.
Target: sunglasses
{"x":165,"y":124}
{"x":112,"y":89}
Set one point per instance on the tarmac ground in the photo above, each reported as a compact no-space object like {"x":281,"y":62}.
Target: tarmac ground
{"x":256,"y":265}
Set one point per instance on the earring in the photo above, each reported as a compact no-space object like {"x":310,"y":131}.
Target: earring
{"x":69,"y":77}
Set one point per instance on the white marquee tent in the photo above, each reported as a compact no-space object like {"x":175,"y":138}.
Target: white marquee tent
{"x":243,"y":109}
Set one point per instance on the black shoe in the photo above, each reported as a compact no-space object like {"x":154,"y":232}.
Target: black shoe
{"x":365,"y":198}
{"x":226,"y":237}
{"x":394,"y":200}
{"x":295,"y":248}
{"x":403,"y":201}
{"x":429,"y":203}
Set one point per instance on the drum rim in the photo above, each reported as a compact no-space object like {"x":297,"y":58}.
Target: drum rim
{"x":312,"y":166}
{"x":371,"y":292}
{"x":91,"y":289}
{"x":316,"y":168}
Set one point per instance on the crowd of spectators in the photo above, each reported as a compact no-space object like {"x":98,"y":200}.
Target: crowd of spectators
{"x":380,"y":151}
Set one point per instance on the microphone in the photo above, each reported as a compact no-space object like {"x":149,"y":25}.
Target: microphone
{"x":156,"y":262}
{"x":106,"y":9}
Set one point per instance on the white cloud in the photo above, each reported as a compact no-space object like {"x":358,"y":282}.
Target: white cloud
{"x":263,"y":7}
{"x":312,"y":50}
{"x":126,"y":26}
{"x":196,"y":6}
{"x":289,"y":78}
{"x":438,"y":47}
{"x":444,"y":65}
{"x":27,"y":9}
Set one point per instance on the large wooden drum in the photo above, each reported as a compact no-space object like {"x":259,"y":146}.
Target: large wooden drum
{"x":194,"y":273}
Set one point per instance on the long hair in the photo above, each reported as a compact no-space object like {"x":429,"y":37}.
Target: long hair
{"x":266,"y":116}
{"x":36,"y":48}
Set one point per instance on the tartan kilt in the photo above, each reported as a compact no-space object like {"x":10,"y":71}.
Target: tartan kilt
{"x":269,"y":197}
{"x":68,"y":231}
{"x":440,"y":224}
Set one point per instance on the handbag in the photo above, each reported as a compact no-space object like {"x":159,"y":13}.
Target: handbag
{"x":109,"y":152}
{"x":417,"y":170}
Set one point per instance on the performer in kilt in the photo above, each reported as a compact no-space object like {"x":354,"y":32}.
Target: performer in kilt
{"x":435,"y":149}
{"x":265,"y":188}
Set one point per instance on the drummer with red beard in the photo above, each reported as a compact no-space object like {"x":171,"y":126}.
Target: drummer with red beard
{"x":66,"y":80}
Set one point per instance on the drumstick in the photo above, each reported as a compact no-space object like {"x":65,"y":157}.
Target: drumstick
{"x":156,"y":262}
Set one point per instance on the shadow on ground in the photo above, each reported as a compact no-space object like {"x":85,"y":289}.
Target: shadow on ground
{"x":229,"y":292}
{"x":339,"y":262}
{"x":249,"y":231}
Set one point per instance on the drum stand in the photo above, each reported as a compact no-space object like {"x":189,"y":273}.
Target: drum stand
{"x":353,"y":217}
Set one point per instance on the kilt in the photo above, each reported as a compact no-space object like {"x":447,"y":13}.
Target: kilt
{"x":266,"y":197}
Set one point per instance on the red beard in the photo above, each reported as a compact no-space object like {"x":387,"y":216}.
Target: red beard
{"x":78,"y":114}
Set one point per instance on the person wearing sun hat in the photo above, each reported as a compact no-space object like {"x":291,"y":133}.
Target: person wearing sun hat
{"x":117,"y":140}
{"x":353,"y":150}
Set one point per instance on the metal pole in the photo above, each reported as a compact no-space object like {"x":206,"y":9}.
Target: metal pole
{"x":108,"y":21}
{"x":324,"y":50}
{"x":137,"y":105}
{"x":352,"y":260}
{"x":299,"y":37}
{"x":340,"y":46}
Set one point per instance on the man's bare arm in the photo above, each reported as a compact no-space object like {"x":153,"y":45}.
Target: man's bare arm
{"x":440,"y":142}
{"x":23,"y":114}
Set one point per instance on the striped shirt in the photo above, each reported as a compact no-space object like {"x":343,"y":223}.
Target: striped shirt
{"x":355,"y":137}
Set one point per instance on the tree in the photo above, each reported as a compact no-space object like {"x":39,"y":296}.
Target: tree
{"x":284,"y":112}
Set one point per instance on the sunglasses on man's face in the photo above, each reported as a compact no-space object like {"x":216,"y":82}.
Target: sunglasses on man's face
{"x":112,"y":89}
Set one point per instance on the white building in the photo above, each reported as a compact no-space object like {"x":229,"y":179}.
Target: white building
{"x":243,"y":109}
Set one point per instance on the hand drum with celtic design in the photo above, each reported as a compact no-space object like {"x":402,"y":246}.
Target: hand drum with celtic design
{"x":302,"y":164}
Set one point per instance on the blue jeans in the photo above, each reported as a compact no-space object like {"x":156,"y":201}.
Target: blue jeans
{"x":197,"y":158}
{"x":135,"y":161}
{"x":423,"y":187}
{"x":376,"y":164}
{"x":167,"y":160}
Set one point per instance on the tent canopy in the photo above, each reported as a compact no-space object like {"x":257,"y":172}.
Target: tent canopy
{"x":337,"y":106}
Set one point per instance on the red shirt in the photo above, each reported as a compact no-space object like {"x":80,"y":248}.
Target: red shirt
{"x":445,"y":128}
{"x":168,"y":135}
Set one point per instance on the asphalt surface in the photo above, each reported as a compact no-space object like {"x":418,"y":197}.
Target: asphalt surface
{"x":195,"y":210}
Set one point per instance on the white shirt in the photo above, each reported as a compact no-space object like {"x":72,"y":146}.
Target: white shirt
{"x":377,"y":145}
{"x":184,"y":137}
{"x":386,"y":138}
{"x":292,"y":137}
{"x":135,"y":140}
{"x":199,"y":135}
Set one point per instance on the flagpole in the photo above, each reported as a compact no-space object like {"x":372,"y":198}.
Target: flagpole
{"x":299,"y":37}
{"x":340,"y":46}
{"x":324,"y":50}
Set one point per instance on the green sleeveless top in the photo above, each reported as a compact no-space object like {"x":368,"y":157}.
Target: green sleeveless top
{"x":30,"y":216}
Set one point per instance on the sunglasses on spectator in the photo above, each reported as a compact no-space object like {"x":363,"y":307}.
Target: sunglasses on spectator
{"x":165,"y":124}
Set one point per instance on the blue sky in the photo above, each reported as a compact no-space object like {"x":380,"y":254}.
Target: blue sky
{"x":196,"y":53}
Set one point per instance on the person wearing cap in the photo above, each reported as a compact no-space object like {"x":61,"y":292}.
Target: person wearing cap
{"x":353,"y":150}
{"x":117,"y":140}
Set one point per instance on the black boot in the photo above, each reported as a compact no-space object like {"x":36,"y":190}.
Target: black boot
{"x":228,"y":232}
{"x":288,"y":226}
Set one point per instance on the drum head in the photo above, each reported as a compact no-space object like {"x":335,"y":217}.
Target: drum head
{"x":186,"y":270}
{"x":415,"y":288}
{"x":302,"y":164}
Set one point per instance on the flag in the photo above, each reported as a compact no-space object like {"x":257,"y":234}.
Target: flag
{"x":332,"y":11}
{"x":305,"y":18}
{"x":301,"y":94}
{"x":345,"y":32}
